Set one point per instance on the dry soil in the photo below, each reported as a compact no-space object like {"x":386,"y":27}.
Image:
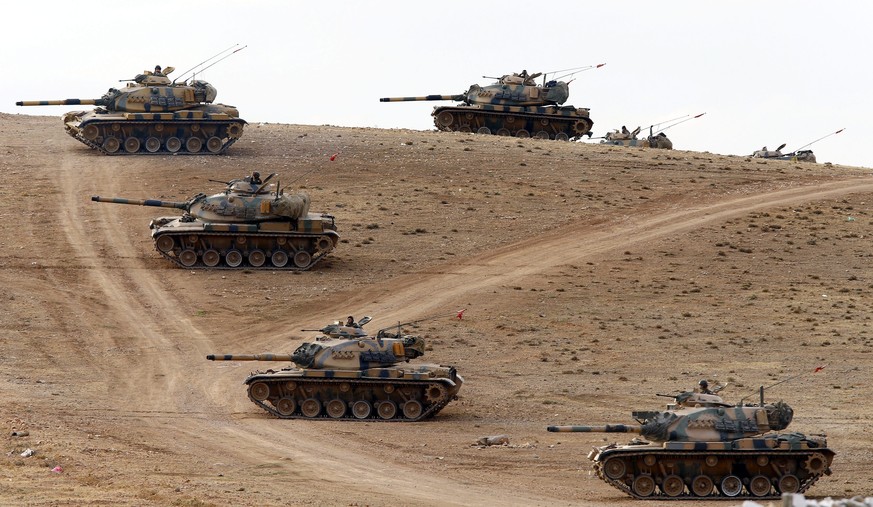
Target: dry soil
{"x":593,"y":277}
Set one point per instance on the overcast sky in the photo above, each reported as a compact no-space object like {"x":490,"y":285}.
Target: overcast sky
{"x":765,"y":72}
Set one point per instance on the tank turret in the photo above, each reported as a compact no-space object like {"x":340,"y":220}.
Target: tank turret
{"x":354,"y":377}
{"x":347,"y":330}
{"x":152,"y":114}
{"x":721,"y":423}
{"x":250,"y":221}
{"x":712,"y":448}
{"x":513,"y":106}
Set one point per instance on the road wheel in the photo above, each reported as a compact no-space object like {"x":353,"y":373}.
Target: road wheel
{"x":259,"y":391}
{"x":614,"y":468}
{"x":188,"y":257}
{"x":643,"y":485}
{"x":759,"y":485}
{"x":174,"y":144}
{"x":213,"y":144}
{"x":336,"y":408}
{"x":286,"y":406}
{"x":445,"y":118}
{"x":193,"y":144}
{"x":310,"y":407}
{"x":211,"y":258}
{"x":302,"y":259}
{"x":387,"y":409}
{"x":233,"y":258}
{"x":279,"y":259}
{"x":731,"y":486}
{"x":111,"y":144}
{"x":412,"y":409}
{"x":131,"y":145}
{"x":152,"y":144}
{"x":701,"y":485}
{"x":165,"y":244}
{"x":788,"y":484}
{"x":362,"y":409}
{"x":673,"y":486}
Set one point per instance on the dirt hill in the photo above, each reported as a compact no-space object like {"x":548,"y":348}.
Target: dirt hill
{"x":593,"y":277}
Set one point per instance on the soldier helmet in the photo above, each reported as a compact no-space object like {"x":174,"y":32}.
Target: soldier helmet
{"x":704,"y":384}
{"x":256,"y":174}
{"x":157,"y":68}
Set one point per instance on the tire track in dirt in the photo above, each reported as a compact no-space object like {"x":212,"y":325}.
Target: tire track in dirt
{"x":147,"y":310}
{"x":435,"y":293}
{"x":118,"y":288}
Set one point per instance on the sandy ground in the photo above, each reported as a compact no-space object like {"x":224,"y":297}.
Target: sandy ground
{"x":593,"y":277}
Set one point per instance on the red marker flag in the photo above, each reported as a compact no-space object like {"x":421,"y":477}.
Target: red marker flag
{"x":333,"y":157}
{"x":599,"y":65}
{"x":461,"y":314}
{"x":818,"y":369}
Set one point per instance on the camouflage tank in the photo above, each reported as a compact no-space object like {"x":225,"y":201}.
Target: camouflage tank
{"x":348,"y":375}
{"x":247,"y":226}
{"x":513,"y":106}
{"x":152,"y":115}
{"x":702,"y":447}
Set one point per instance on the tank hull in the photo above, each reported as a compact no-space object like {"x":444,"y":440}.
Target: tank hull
{"x":392,"y":394}
{"x":205,"y":129}
{"x":659,"y":142}
{"x":293,"y":245}
{"x":799,"y":156}
{"x":545,"y":122}
{"x":638,"y":143}
{"x":752,"y":468}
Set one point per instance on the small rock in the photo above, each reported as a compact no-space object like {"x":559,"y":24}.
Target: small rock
{"x":27,"y":453}
{"x":22,"y":433}
{"x":493,"y":440}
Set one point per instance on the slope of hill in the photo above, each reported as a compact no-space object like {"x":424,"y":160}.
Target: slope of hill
{"x":592,"y":276}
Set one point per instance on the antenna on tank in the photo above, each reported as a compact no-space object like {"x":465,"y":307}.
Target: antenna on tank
{"x":570,"y":72}
{"x":763,"y":388}
{"x":682,"y":119}
{"x":819,"y":139}
{"x":209,"y":60}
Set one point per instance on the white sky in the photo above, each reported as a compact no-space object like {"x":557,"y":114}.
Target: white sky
{"x":765,"y":72}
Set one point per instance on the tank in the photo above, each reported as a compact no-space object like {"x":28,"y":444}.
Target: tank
{"x":348,"y":375}
{"x":152,"y":115}
{"x":795,"y":156}
{"x":250,"y":225}
{"x":513,"y":106}
{"x":619,"y":138}
{"x":702,"y":447}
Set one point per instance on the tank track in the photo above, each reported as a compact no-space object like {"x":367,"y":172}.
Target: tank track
{"x":431,"y":395}
{"x":688,"y":459}
{"x":474,"y":120}
{"x":170,"y":126}
{"x":177,"y":253}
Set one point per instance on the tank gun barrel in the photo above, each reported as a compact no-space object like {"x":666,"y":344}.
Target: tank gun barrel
{"x":421,"y":98}
{"x":64,"y":102}
{"x":141,"y":202}
{"x":608,"y":428}
{"x":249,"y":357}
